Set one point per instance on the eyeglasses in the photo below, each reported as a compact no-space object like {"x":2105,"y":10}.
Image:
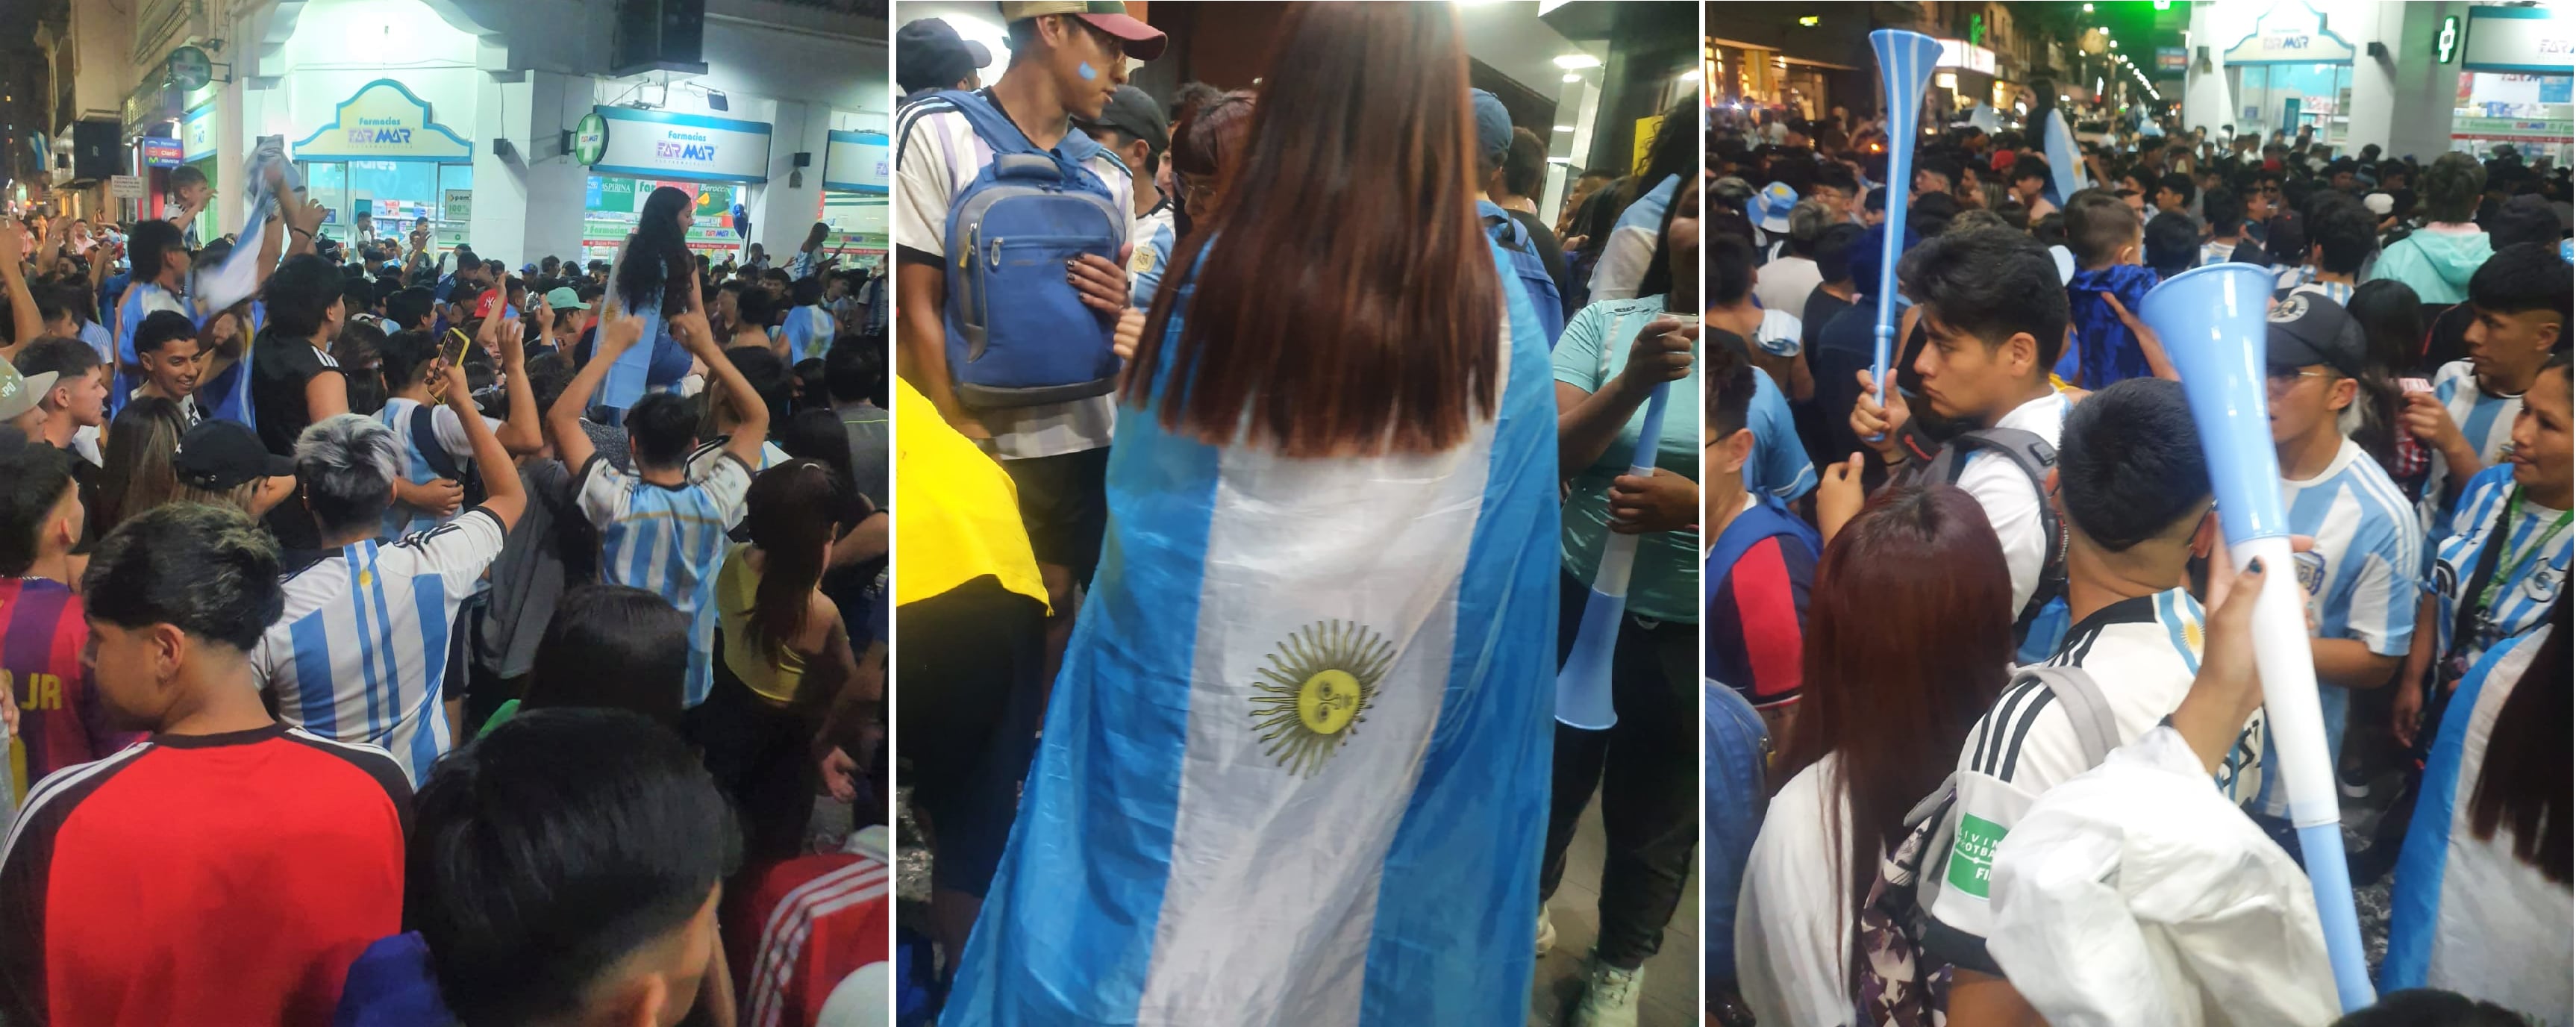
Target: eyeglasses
{"x":2283,"y":379}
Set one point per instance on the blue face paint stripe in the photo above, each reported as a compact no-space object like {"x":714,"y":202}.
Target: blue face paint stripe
{"x":1085,"y":70}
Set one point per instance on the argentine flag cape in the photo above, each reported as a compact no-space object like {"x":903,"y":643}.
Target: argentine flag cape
{"x":1295,"y":769}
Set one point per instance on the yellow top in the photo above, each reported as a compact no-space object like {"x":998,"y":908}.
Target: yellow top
{"x":956,"y":512}
{"x":736,"y":586}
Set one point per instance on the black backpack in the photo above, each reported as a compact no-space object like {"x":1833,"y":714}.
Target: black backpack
{"x":424,"y":425}
{"x":2027,"y":451}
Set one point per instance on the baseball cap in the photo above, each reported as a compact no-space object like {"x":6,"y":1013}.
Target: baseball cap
{"x":21,"y":393}
{"x":2380,"y":203}
{"x":528,"y":268}
{"x":1144,"y":42}
{"x":2307,"y":328}
{"x":929,"y":54}
{"x":1493,"y":123}
{"x":563,"y":298}
{"x":1133,"y":111}
{"x":1770,"y":207}
{"x":218,"y":455}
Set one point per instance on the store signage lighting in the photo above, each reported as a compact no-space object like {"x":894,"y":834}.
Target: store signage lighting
{"x":1808,"y":21}
{"x":2449,"y":41}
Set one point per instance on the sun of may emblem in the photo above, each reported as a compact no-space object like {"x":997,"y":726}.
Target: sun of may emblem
{"x":1317,"y":690}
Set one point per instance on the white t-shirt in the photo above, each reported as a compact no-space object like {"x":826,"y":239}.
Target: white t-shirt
{"x":2142,"y":654}
{"x":1793,"y":922}
{"x":940,"y":157}
{"x":2011,"y":501}
{"x":1783,"y":284}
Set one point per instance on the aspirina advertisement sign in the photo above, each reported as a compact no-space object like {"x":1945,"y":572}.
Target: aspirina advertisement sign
{"x":692,"y":147}
{"x":384,"y":121}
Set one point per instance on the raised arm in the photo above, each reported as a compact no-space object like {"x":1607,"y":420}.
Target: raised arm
{"x":744,"y":443}
{"x":520,"y":433}
{"x":617,"y":330}
{"x":22,"y":303}
{"x":503,"y":494}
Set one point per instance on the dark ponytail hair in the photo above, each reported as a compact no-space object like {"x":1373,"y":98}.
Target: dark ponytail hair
{"x":2522,"y":786}
{"x":657,"y":255}
{"x":790,"y":517}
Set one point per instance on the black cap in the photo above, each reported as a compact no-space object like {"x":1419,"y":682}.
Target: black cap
{"x":2307,"y":329}
{"x":928,"y":54}
{"x":1131,"y":111}
{"x":218,"y":455}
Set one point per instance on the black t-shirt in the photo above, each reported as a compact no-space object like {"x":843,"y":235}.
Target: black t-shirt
{"x":280,"y":367}
{"x":1819,"y":310}
{"x":1550,"y":252}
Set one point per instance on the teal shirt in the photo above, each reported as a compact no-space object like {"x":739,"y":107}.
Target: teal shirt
{"x":1665,"y":584}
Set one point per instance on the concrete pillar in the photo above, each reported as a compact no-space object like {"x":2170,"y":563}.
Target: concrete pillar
{"x":787,"y":206}
{"x":557,"y":187}
{"x":1578,"y":104}
{"x":2423,"y":94}
{"x":2373,"y":78}
{"x":500,"y":223}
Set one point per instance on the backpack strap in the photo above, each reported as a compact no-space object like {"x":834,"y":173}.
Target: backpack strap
{"x":2096,"y":730}
{"x":2034,"y":456}
{"x":1071,"y":154}
{"x":424,"y":438}
{"x":1502,"y":227}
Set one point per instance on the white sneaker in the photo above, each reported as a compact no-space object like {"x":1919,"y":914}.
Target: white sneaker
{"x":1546,"y":931}
{"x":1609,"y":996}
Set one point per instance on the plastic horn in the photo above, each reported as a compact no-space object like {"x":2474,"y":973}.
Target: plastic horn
{"x":1583,"y":683}
{"x":2211,"y":321}
{"x":1905,"y":63}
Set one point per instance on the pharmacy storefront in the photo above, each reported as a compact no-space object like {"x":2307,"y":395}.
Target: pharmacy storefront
{"x":384,"y":154}
{"x":2515,"y":83}
{"x":2292,"y":74}
{"x":855,"y":173}
{"x":632,"y":152}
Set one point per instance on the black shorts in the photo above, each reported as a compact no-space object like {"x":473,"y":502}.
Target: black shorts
{"x":970,"y":681}
{"x":1064,"y":501}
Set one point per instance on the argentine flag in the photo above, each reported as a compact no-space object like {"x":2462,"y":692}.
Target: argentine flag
{"x":1295,"y":769}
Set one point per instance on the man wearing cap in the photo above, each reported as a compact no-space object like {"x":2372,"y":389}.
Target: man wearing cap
{"x":2359,"y":579}
{"x":1493,"y":145}
{"x":569,"y":318}
{"x":1132,"y":127}
{"x":930,"y":56}
{"x":21,"y":399}
{"x":1068,"y":57}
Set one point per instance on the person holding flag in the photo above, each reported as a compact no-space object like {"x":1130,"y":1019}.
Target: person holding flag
{"x":1293,"y":770}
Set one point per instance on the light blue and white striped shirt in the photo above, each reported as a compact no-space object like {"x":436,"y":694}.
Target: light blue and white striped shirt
{"x":2485,"y":419}
{"x":2359,"y":578}
{"x":362,"y":648}
{"x":668,"y":540}
{"x":2523,"y":594}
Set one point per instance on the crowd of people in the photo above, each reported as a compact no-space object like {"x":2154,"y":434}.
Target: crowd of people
{"x":1226,"y":593}
{"x":412,"y":641}
{"x":1967,"y":697}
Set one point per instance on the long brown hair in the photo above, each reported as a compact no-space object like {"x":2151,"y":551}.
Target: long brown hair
{"x":138,"y":475}
{"x":1353,"y":307}
{"x":1909,"y":638}
{"x":2523,"y":785}
{"x":788,"y":512}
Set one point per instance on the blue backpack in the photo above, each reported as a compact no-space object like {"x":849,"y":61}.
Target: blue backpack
{"x":1018,"y":334}
{"x":1527,"y":265}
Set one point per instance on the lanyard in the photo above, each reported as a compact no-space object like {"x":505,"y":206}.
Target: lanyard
{"x":2513,"y":561}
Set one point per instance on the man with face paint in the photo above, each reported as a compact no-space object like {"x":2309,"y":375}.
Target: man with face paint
{"x":1132,"y":127}
{"x":227,"y":862}
{"x":1068,"y":58}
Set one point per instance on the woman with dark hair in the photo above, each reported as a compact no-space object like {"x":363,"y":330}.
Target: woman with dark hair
{"x":786,"y":653}
{"x":2480,"y":905}
{"x":1908,"y":643}
{"x":2392,"y":330}
{"x":140,"y":444}
{"x":1608,"y":362}
{"x":655,"y":273}
{"x":1306,"y":699}
{"x":1204,"y":145}
{"x":1627,"y":252}
{"x":609,"y":646}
